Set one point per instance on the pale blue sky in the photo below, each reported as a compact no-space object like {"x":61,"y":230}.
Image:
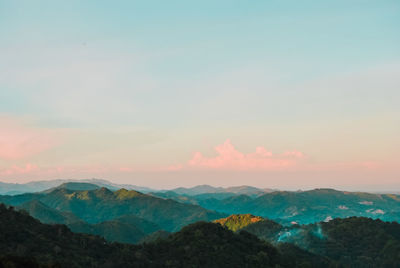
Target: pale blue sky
{"x":151,"y":82}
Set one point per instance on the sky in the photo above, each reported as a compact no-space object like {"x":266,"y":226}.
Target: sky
{"x":276,"y":94}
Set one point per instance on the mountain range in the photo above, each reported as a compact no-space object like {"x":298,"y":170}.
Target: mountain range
{"x":123,"y":215}
{"x":283,"y":206}
{"x":38,"y":186}
{"x":316,"y":228}
{"x":301,"y":206}
{"x":94,"y":209}
{"x":351,"y":242}
{"x":207,"y":189}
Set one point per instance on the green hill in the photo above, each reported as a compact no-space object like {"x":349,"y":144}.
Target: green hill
{"x":210,"y":245}
{"x":45,"y":214}
{"x":100,"y":205}
{"x":360,"y":242}
{"x":205,"y":244}
{"x":25,"y":242}
{"x":261,"y":227}
{"x":308,"y":206}
{"x":23,"y":237}
{"x":125,"y":229}
{"x":302,"y":207}
{"x":353,"y":242}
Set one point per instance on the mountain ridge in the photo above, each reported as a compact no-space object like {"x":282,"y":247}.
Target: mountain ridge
{"x":102,"y":204}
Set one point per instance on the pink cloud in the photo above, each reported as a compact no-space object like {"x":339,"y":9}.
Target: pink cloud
{"x":18,"y":170}
{"x":228,"y":158}
{"x":18,"y":141}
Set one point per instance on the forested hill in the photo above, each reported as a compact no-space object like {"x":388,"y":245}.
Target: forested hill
{"x":354,"y":241}
{"x":55,"y":245}
{"x":302,"y":207}
{"x":26,"y":241}
{"x":101,"y":204}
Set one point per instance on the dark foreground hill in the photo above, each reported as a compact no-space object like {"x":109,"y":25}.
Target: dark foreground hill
{"x":55,"y":245}
{"x":354,"y":241}
{"x":25,"y":242}
{"x":210,"y":245}
{"x":357,"y":241}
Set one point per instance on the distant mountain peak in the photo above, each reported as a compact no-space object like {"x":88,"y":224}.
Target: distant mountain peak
{"x":123,"y":194}
{"x":103,"y":192}
{"x":325,"y":190}
{"x":75,"y":186}
{"x":208,"y":189}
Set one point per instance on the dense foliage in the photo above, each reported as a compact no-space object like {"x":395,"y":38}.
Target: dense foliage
{"x":55,"y":245}
{"x":99,"y":205}
{"x":125,"y":229}
{"x":26,"y":241}
{"x":302,"y":207}
{"x":265,"y":229}
{"x":210,"y":245}
{"x":354,"y":241}
{"x":360,"y":242}
{"x":246,"y":240}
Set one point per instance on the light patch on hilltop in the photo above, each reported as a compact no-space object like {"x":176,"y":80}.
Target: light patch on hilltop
{"x":123,"y":194}
{"x":238,"y":221}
